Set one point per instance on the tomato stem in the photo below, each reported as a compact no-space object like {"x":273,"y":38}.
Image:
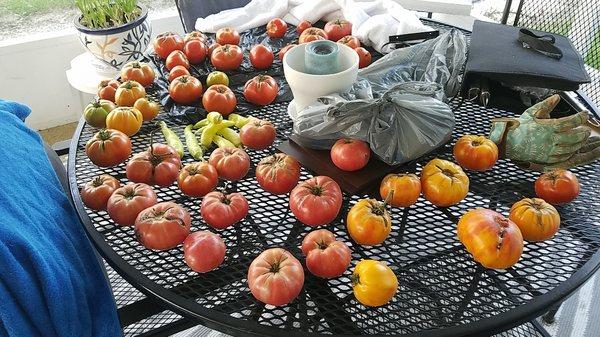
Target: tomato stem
{"x":355,"y":279}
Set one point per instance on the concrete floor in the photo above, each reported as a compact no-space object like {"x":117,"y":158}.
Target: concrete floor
{"x":58,"y":133}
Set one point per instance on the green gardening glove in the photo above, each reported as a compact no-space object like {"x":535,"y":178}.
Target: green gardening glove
{"x":538,"y":142}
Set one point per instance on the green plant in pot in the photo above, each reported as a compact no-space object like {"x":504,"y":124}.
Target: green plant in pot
{"x":114,"y":31}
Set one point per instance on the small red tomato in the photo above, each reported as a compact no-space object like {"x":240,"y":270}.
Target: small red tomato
{"x":185,"y":89}
{"x":278,"y":173}
{"x":261,"y":56}
{"x":195,"y":51}
{"x":203,"y":251}
{"x":128,"y":201}
{"x":177,"y":71}
{"x":223,"y":210}
{"x":228,"y":35}
{"x":232,"y":163}
{"x":276,"y":28}
{"x":197,"y":179}
{"x":108,"y":147}
{"x":364,"y":57}
{"x":177,"y":58}
{"x":219,"y":98}
{"x":284,"y":50}
{"x":337,"y":29}
{"x":325,"y":257}
{"x":96,"y":192}
{"x":162,"y":226}
{"x":107,"y":89}
{"x":557,"y":187}
{"x":227,"y":57}
{"x":302,"y":26}
{"x":166,"y":43}
{"x":258,"y":134}
{"x":350,"y":154}
{"x":261,"y":90}
{"x":350,"y":41}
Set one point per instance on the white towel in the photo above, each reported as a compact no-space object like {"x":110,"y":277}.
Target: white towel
{"x":373,"y":21}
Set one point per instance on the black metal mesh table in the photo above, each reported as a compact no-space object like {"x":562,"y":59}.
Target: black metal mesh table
{"x":442,"y":291}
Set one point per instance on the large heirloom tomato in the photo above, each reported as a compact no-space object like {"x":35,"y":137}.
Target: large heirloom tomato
{"x":475,"y":153}
{"x":203,"y":251}
{"x":258,"y":134}
{"x":108,"y":148}
{"x":227,"y":57}
{"x":493,"y":240}
{"x":312,"y":34}
{"x":95,"y":193}
{"x":261,"y":90}
{"x":278,"y":173}
{"x":148,"y":107}
{"x":177,"y":58}
{"x":223,"y":210}
{"x":374,"y":283}
{"x":197,"y":179}
{"x":444,"y":183}
{"x":537,"y":219}
{"x":125,"y":119}
{"x":140,"y":72}
{"x":227,"y":35}
{"x":195,"y":51}
{"x":276,"y":28}
{"x":107,"y":89}
{"x":325,"y":257}
{"x":185,"y":89}
{"x":316,"y":201}
{"x":350,"y":154}
{"x":232,"y":163}
{"x":557,"y":187}
{"x":129,"y":92}
{"x":127,"y":202}
{"x":95,"y":113}
{"x":219,"y":98}
{"x":166,"y":43}
{"x":337,"y":29}
{"x":158,"y":165}
{"x":368,"y":222}
{"x":261,"y":56}
{"x":405,"y":189}
{"x":162,"y":226}
{"x":275,"y":277}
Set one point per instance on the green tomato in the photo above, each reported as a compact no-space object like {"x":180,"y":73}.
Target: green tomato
{"x":217,"y":77}
{"x":95,"y":113}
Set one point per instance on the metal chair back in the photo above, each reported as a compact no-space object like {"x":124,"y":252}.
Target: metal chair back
{"x":191,"y":10}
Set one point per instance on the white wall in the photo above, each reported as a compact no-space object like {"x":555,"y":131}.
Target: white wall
{"x":32,"y":71}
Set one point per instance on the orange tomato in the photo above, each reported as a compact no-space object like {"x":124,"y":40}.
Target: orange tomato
{"x":405,"y":189}
{"x":475,"y":153}
{"x":537,"y":219}
{"x":444,"y":183}
{"x":374,"y":283}
{"x":140,"y":72}
{"x":493,"y":240}
{"x":176,"y":72}
{"x":125,"y":119}
{"x":148,"y":107}
{"x":368,"y":222}
{"x":129,"y":92}
{"x":177,"y":58}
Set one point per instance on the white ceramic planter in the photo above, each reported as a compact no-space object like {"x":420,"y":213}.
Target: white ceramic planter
{"x":117,"y":45}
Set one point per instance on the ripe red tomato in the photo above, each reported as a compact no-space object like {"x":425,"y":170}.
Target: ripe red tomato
{"x":350,"y":154}
{"x":194,"y":35}
{"x":557,"y":187}
{"x":162,"y":226}
{"x":316,"y":201}
{"x":232,"y":163}
{"x":227,"y":57}
{"x":108,"y":147}
{"x":325,"y":256}
{"x":337,"y":29}
{"x":158,"y":165}
{"x":223,"y":210}
{"x":185,"y":89}
{"x":166,"y":43}
{"x":107,"y":89}
{"x":127,"y":202}
{"x":261,"y":56}
{"x":312,"y":34}
{"x":140,"y":72}
{"x":364,"y":57}
{"x":95,"y":193}
{"x":276,"y":28}
{"x":177,"y":71}
{"x":228,"y":35}
{"x":197,"y":179}
{"x":258,"y":134}
{"x":219,"y":98}
{"x":195,"y":51}
{"x":261,"y":90}
{"x":203,"y":251}
{"x":302,"y":26}
{"x":278,"y":173}
{"x":350,"y":41}
{"x":177,"y":58}
{"x":285,"y":49}
{"x":275,"y":277}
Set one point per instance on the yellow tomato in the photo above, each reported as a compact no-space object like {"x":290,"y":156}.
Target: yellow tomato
{"x":368,"y":222}
{"x":537,"y":219}
{"x":217,"y":77}
{"x":444,"y":183}
{"x":374,"y":283}
{"x":125,"y":119}
{"x":149,"y":108}
{"x":405,"y":189}
{"x":129,"y":92}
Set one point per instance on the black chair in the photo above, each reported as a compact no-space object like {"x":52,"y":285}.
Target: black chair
{"x":190,"y":10}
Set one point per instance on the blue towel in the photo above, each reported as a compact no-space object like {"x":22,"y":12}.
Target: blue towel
{"x":51,"y":283}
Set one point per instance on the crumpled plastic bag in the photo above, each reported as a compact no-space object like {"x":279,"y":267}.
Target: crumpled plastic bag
{"x":396,"y":105}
